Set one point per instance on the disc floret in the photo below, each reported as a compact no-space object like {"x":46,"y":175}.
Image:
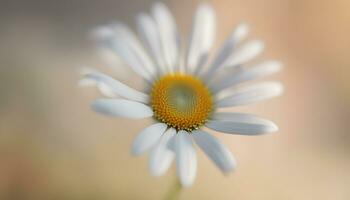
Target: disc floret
{"x":181,"y":101}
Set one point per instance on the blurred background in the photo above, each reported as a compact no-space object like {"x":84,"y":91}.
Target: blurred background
{"x":52,"y":146}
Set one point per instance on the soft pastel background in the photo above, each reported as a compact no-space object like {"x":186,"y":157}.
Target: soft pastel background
{"x":52,"y":146}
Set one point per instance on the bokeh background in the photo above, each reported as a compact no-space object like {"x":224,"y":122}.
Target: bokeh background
{"x":52,"y":146}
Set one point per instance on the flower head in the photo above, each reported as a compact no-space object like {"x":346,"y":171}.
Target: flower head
{"x":184,"y":89}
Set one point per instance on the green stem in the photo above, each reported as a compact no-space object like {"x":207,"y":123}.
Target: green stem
{"x":174,"y":191}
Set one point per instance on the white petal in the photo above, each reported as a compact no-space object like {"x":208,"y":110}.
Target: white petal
{"x":240,"y":33}
{"x":238,"y":117}
{"x":245,"y":53}
{"x":254,"y":72}
{"x":240,"y":123}
{"x":161,"y":156}
{"x":119,"y":41}
{"x":106,"y":90}
{"x":102,"y":34}
{"x":122,"y":108}
{"x":134,"y":44}
{"x":108,"y":37}
{"x":150,"y":35}
{"x":251,"y":94}
{"x":112,"y":60}
{"x":227,"y":49}
{"x":147,"y":138}
{"x":237,"y":35}
{"x":215,"y":150}
{"x":118,"y":87}
{"x":202,"y":37}
{"x":86,"y":70}
{"x":168,"y":34}
{"x":86,"y":82}
{"x":186,"y":159}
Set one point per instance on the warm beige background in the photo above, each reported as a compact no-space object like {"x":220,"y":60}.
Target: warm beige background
{"x":53,"y":147}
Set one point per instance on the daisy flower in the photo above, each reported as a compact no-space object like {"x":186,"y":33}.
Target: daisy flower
{"x":185,"y":92}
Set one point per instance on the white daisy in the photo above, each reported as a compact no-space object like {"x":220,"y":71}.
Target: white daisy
{"x":184,"y":90}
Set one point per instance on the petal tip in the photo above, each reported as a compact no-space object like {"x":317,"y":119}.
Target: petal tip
{"x":133,"y":151}
{"x":241,"y":31}
{"x":101,"y":33}
{"x":186,"y":183}
{"x":274,"y":128}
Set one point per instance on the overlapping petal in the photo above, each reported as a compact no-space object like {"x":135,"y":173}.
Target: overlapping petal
{"x":168,"y":34}
{"x":161,"y":156}
{"x":186,"y":159}
{"x":240,"y":123}
{"x":254,"y":72}
{"x":201,"y":38}
{"x":117,"y":87}
{"x":215,"y":150}
{"x":102,"y":87}
{"x":245,"y":53}
{"x":227,"y":49}
{"x":251,"y":94}
{"x":122,"y":108}
{"x":148,"y":30}
{"x":147,"y":138}
{"x":119,"y":38}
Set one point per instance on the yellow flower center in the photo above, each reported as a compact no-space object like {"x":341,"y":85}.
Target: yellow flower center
{"x":181,"y":101}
